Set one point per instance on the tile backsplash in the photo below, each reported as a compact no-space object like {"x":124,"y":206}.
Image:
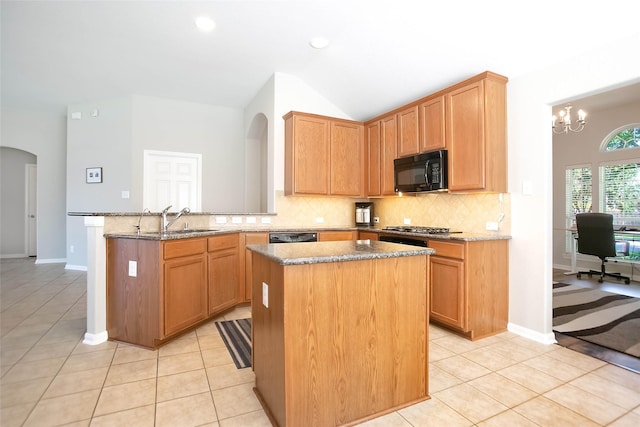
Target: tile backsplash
{"x":460,"y":212}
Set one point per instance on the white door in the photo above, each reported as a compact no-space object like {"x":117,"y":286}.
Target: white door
{"x":31,"y":206}
{"x":172,"y":179}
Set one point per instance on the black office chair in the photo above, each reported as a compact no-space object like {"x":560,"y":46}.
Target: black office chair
{"x":596,"y":237}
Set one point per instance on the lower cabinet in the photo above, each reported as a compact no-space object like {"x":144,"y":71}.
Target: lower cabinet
{"x":184,"y":293}
{"x":367,"y":235}
{"x":469,"y":286}
{"x":331,"y":236}
{"x":224,"y":272}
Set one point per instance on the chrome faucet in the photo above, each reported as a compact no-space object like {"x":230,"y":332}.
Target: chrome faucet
{"x":146,"y":210}
{"x":166,"y":223}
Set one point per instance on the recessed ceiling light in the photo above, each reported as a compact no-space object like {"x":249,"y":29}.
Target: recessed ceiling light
{"x":205,"y":24}
{"x":319,"y":42}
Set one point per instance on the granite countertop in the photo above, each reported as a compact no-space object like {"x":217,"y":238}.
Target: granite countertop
{"x":350,"y":250}
{"x":464,"y":236}
{"x":187,"y":234}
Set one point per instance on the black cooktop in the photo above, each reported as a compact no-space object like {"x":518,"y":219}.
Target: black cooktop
{"x":420,"y":229}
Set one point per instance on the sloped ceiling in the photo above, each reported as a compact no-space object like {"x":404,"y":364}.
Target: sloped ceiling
{"x":382,"y":53}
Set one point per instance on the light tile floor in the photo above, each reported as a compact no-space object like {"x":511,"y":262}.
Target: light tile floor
{"x":48,"y":377}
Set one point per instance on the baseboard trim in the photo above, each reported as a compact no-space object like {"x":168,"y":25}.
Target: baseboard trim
{"x":50,"y":260}
{"x":75,"y":267}
{"x":547,"y":339}
{"x":95,"y":339}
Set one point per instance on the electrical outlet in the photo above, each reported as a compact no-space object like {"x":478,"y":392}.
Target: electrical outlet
{"x":236,"y":219}
{"x":251,"y":220}
{"x":265,"y":294}
{"x":133,"y":268}
{"x":492,"y":226}
{"x":221,"y":220}
{"x":265,"y":220}
{"x":320,"y":220}
{"x":407,"y":221}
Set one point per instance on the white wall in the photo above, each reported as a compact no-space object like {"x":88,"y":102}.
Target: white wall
{"x":101,"y":141}
{"x":116,"y":139}
{"x":44,"y":135}
{"x":213,"y":131}
{"x":530,"y":158}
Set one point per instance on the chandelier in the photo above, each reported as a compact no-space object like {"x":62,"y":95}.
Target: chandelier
{"x":565,"y":123}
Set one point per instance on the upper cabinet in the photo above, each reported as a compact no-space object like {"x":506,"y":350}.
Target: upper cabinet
{"x":476,"y":135}
{"x":432,"y":118}
{"x":323,"y":155}
{"x":408,"y":134}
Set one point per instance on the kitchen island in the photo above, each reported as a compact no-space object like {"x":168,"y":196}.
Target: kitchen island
{"x":340,"y":330}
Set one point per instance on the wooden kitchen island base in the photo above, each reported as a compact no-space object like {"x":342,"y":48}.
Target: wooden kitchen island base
{"x":340,"y":342}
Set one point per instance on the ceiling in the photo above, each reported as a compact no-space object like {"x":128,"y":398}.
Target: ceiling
{"x":382,"y":53}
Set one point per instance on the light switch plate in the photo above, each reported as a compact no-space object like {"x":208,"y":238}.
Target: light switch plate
{"x":265,"y":220}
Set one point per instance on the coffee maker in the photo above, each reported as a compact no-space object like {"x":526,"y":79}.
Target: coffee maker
{"x":364,"y":214}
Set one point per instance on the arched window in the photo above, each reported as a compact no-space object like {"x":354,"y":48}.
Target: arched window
{"x":622,"y":138}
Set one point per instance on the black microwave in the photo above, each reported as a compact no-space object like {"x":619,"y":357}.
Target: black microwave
{"x":422,"y":172}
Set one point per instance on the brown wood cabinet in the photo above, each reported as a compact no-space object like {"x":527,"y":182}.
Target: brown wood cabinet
{"x":367,"y":235}
{"x":469,"y":286}
{"x":323,"y":155}
{"x":249,"y":239}
{"x":347,"y":158}
{"x":374,"y":156}
{"x":408,"y":132}
{"x":381,"y":136}
{"x":388,"y":153}
{"x":432,"y":120}
{"x":476,"y":135}
{"x":328,"y":236}
{"x":224,"y":272}
{"x":340,"y":342}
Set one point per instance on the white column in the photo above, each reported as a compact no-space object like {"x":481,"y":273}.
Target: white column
{"x":96,"y":281}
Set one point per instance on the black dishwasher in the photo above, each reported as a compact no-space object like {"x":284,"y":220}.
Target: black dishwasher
{"x":290,"y":237}
{"x":403,"y":240}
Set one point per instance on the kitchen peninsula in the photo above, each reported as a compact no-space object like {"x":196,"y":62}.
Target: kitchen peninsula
{"x":340,"y":330}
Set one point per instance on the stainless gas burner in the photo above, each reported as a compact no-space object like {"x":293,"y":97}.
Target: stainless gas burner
{"x":419,"y":229}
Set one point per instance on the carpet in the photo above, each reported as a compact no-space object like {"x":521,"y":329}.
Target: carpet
{"x":236,"y":335}
{"x":604,"y":318}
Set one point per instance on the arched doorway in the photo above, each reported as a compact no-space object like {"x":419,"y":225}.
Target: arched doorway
{"x":256,"y":155}
{"x":18,"y":191}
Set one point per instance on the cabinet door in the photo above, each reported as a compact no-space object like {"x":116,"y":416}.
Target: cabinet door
{"x":184,"y":293}
{"x":347,"y":159}
{"x":372,"y":135}
{"x":432,"y":118}
{"x":447,"y":299}
{"x":329,"y":236}
{"x":366,"y":235}
{"x":251,"y":239}
{"x":224,"y":271}
{"x":408,"y":132}
{"x":306,"y":155}
{"x":223,"y":279}
{"x":465,"y":137}
{"x":388,"y":142}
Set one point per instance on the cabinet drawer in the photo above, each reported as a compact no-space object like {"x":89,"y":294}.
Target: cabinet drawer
{"x":184,"y":247}
{"x":447,"y":249}
{"x":226,"y":241}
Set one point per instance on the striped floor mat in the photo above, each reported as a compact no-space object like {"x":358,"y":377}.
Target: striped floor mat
{"x":236,"y":335}
{"x":600,"y":317}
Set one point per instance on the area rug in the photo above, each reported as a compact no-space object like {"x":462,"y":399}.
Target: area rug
{"x":236,"y":335}
{"x":604,"y":318}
